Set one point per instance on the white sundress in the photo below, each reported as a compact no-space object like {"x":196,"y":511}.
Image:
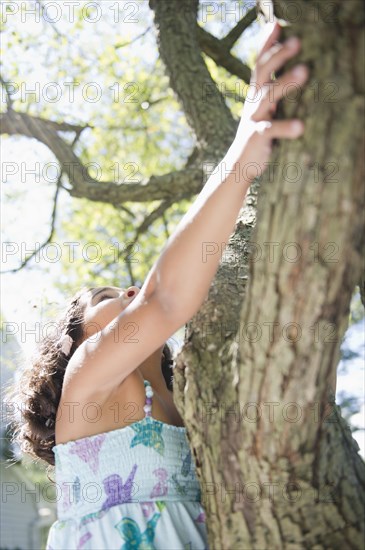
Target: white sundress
{"x":130,"y":488}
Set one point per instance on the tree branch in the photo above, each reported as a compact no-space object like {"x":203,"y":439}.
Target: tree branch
{"x":221,"y":55}
{"x":177,"y":184}
{"x":207,"y":115}
{"x":21,"y":123}
{"x":229,"y":40}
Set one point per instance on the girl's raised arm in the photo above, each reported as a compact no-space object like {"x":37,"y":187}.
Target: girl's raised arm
{"x":183,"y":273}
{"x":179,"y":281}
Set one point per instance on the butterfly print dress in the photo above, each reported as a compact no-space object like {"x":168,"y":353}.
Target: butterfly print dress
{"x":130,"y":488}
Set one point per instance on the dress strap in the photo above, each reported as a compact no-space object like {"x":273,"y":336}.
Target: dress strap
{"x":148,"y":403}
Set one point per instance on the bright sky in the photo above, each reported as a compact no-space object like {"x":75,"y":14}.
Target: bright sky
{"x":24,"y":294}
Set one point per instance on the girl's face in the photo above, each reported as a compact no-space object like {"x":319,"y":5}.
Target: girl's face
{"x":104,"y":304}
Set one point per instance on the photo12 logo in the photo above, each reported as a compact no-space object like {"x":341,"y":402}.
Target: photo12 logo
{"x":70,"y":11}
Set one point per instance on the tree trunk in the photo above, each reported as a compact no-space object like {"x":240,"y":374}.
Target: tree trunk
{"x":277,"y":463}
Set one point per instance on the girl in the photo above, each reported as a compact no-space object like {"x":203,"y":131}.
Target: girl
{"x":98,"y":402}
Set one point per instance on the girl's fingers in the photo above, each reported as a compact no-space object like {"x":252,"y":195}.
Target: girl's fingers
{"x":275,"y":91}
{"x":272,"y":57}
{"x":275,"y":58}
{"x":271,"y":39}
{"x":280,"y":129}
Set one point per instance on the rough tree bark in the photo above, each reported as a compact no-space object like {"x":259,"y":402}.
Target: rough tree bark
{"x":255,"y":379}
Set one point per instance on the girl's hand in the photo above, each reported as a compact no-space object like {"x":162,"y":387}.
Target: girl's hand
{"x":253,"y":142}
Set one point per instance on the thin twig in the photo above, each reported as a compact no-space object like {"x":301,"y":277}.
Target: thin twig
{"x":118,"y":46}
{"x":50,"y":236}
{"x":59,"y":34}
{"x":9,"y":101}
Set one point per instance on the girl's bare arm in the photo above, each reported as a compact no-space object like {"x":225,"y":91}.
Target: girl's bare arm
{"x":183,"y":273}
{"x":179,"y":281}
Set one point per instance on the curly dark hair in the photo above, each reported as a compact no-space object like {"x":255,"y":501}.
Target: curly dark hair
{"x":38,"y":390}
